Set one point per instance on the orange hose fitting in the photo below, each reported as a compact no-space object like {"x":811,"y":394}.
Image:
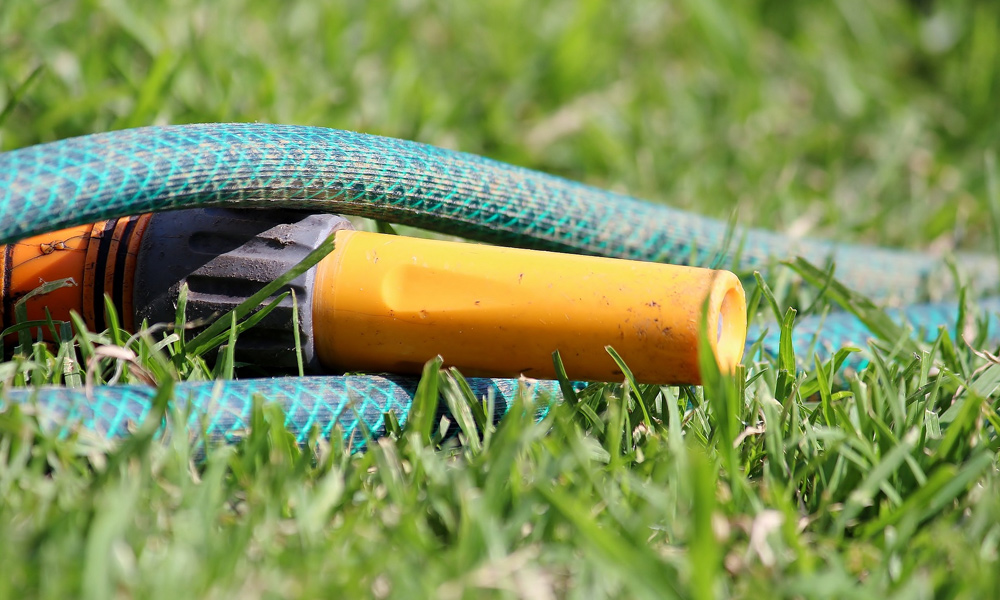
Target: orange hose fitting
{"x":40,"y":259}
{"x":99,"y":258}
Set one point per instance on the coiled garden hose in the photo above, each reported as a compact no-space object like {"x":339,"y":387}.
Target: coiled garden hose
{"x":103,"y":176}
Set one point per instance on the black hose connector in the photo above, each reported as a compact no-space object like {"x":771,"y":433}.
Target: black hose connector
{"x":225,"y":256}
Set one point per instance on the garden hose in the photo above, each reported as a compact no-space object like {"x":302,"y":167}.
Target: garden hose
{"x":109,"y":176}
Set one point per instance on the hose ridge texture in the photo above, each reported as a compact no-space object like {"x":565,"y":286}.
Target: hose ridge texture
{"x":85,"y":179}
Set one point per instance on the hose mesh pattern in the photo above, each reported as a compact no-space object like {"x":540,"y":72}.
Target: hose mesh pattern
{"x":85,"y":179}
{"x":107,"y":175}
{"x":356,"y":405}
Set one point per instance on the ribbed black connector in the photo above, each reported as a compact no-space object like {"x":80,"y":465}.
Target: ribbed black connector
{"x":225,"y":256}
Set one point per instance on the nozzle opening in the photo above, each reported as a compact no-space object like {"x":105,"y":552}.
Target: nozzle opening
{"x":727,"y":311}
{"x":731,"y":324}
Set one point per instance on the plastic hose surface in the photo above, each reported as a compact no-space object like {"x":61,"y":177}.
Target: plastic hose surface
{"x":86,"y":179}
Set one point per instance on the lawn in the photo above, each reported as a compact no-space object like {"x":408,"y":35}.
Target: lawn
{"x":848,"y":120}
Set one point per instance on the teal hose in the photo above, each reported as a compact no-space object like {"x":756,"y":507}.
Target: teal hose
{"x":85,"y":179}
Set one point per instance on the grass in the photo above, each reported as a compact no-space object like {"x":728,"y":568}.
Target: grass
{"x":847,"y":120}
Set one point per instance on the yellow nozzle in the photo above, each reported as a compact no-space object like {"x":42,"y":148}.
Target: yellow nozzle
{"x":389,"y":303}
